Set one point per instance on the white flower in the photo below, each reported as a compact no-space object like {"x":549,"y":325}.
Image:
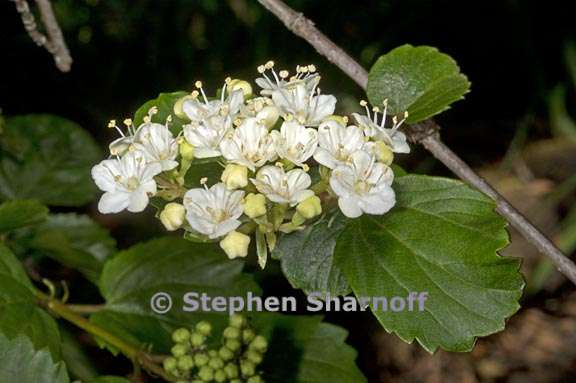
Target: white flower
{"x":306,"y":106}
{"x":127,"y":182}
{"x":392,"y":137}
{"x":295,"y":143}
{"x":281,"y":187}
{"x":213,"y":212}
{"x":276,"y":81}
{"x":263,"y":109}
{"x":250,"y":145}
{"x":364,"y":186}
{"x":337,"y":143}
{"x":157,"y":144}
{"x":121,"y":145}
{"x":210,"y":120}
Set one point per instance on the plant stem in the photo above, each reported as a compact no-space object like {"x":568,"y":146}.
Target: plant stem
{"x":60,"y":309}
{"x":85,"y":309}
{"x":425,"y":133}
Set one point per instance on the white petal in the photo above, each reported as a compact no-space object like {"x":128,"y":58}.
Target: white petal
{"x":378,"y":203}
{"x":349,"y":207}
{"x":324,"y":157}
{"x":138,"y":201}
{"x":113,"y":202}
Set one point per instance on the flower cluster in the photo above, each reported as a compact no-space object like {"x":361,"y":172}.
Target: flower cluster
{"x":285,"y":158}
{"x":236,"y":360}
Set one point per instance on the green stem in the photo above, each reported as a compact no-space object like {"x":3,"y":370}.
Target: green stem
{"x":85,"y":309}
{"x":60,"y":309}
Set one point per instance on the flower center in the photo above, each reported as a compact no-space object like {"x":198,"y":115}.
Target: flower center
{"x":361,"y":187}
{"x":132,"y":183}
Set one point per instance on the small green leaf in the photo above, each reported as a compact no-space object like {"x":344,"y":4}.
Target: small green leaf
{"x":165,"y":104}
{"x":307,"y":257}
{"x":318,"y":352}
{"x":20,"y":213}
{"x":208,"y":168}
{"x":21,"y":363}
{"x":442,"y":238}
{"x":173,"y":266}
{"x":75,"y":241}
{"x":47,"y":158}
{"x":19,"y":313}
{"x":420,"y":80}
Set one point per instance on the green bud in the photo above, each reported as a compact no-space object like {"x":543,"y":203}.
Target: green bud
{"x":235,"y":381}
{"x":310,"y":207}
{"x":254,"y":205}
{"x":231,"y":333}
{"x":180,"y":349}
{"x":237,"y":321}
{"x":181,"y":381}
{"x":212,"y":353}
{"x":244,"y":86}
{"x":233,"y":344}
{"x":186,"y":150}
{"x":255,"y":379}
{"x":225,"y":353}
{"x":181,"y":335}
{"x":220,"y":376}
{"x":247,"y":368}
{"x":204,"y":328}
{"x":216,"y":363}
{"x":170,"y":364}
{"x":185,"y":363}
{"x":231,"y":370}
{"x":206,"y":373}
{"x":197,"y":381}
{"x":197,"y":339}
{"x":254,"y":356}
{"x":259,"y":344}
{"x":248,"y":335}
{"x":178,"y":106}
{"x":201,"y":359}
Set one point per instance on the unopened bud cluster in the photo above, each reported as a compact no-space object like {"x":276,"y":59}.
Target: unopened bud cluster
{"x":236,"y":360}
{"x":285,"y":158}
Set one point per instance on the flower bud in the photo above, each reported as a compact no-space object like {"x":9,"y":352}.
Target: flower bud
{"x":247,"y":368}
{"x":216,"y":363}
{"x":235,"y":176}
{"x":204,"y":328}
{"x":201,"y":360}
{"x":231,"y":333}
{"x":181,"y":335}
{"x":383,"y":152}
{"x":186,"y":150}
{"x":225,"y":353}
{"x":231,"y":370}
{"x":237,"y":84}
{"x":248,"y":335}
{"x":206,"y":373}
{"x":178,"y":107}
{"x":254,"y":205}
{"x":233,"y":344}
{"x":172,"y":216}
{"x":185,"y":363}
{"x":268,"y":116}
{"x":197,"y":339}
{"x":235,"y":244}
{"x":170,"y":364}
{"x":220,"y":376}
{"x":255,"y":379}
{"x":236,"y":320}
{"x":179,"y":350}
{"x":259,"y":344}
{"x":310,"y":207}
{"x":254,"y":357}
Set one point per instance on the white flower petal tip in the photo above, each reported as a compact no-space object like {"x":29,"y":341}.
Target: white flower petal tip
{"x":214,"y":211}
{"x":363,"y":186}
{"x":157,"y":144}
{"x":337,"y":143}
{"x":295,"y":143}
{"x":127,"y":182}
{"x":283,"y":187}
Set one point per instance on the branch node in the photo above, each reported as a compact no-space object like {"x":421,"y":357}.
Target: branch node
{"x":418,"y":132}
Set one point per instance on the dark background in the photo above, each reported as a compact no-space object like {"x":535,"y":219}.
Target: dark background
{"x":126,"y":52}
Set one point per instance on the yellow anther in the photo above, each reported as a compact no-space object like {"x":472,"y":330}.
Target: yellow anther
{"x":198,"y":84}
{"x":385,"y":102}
{"x":227,"y":80}
{"x":279,"y":164}
{"x":261,"y":69}
{"x":284,"y":74}
{"x":203,"y":180}
{"x":112,"y":124}
{"x":376,"y":109}
{"x":363,"y":103}
{"x":269,"y":64}
{"x":305,"y":168}
{"x":311,"y":68}
{"x":128,"y":122}
{"x":395,"y":120}
{"x":153,"y":110}
{"x":406,"y":114}
{"x":169,"y":118}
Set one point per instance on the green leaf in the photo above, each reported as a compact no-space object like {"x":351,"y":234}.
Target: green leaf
{"x":441,"y":238}
{"x":203,"y":168}
{"x":47,"y":158}
{"x":20,"y":213}
{"x":75,"y":241}
{"x":317,"y":350}
{"x":21,"y":363}
{"x":19,"y":313}
{"x":307,"y":257}
{"x":174,"y":266}
{"x":420,"y":80}
{"x":165,"y":104}
{"x":76,"y":358}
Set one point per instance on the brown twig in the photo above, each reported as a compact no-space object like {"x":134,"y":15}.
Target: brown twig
{"x":425,"y":133}
{"x":54,"y":42}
